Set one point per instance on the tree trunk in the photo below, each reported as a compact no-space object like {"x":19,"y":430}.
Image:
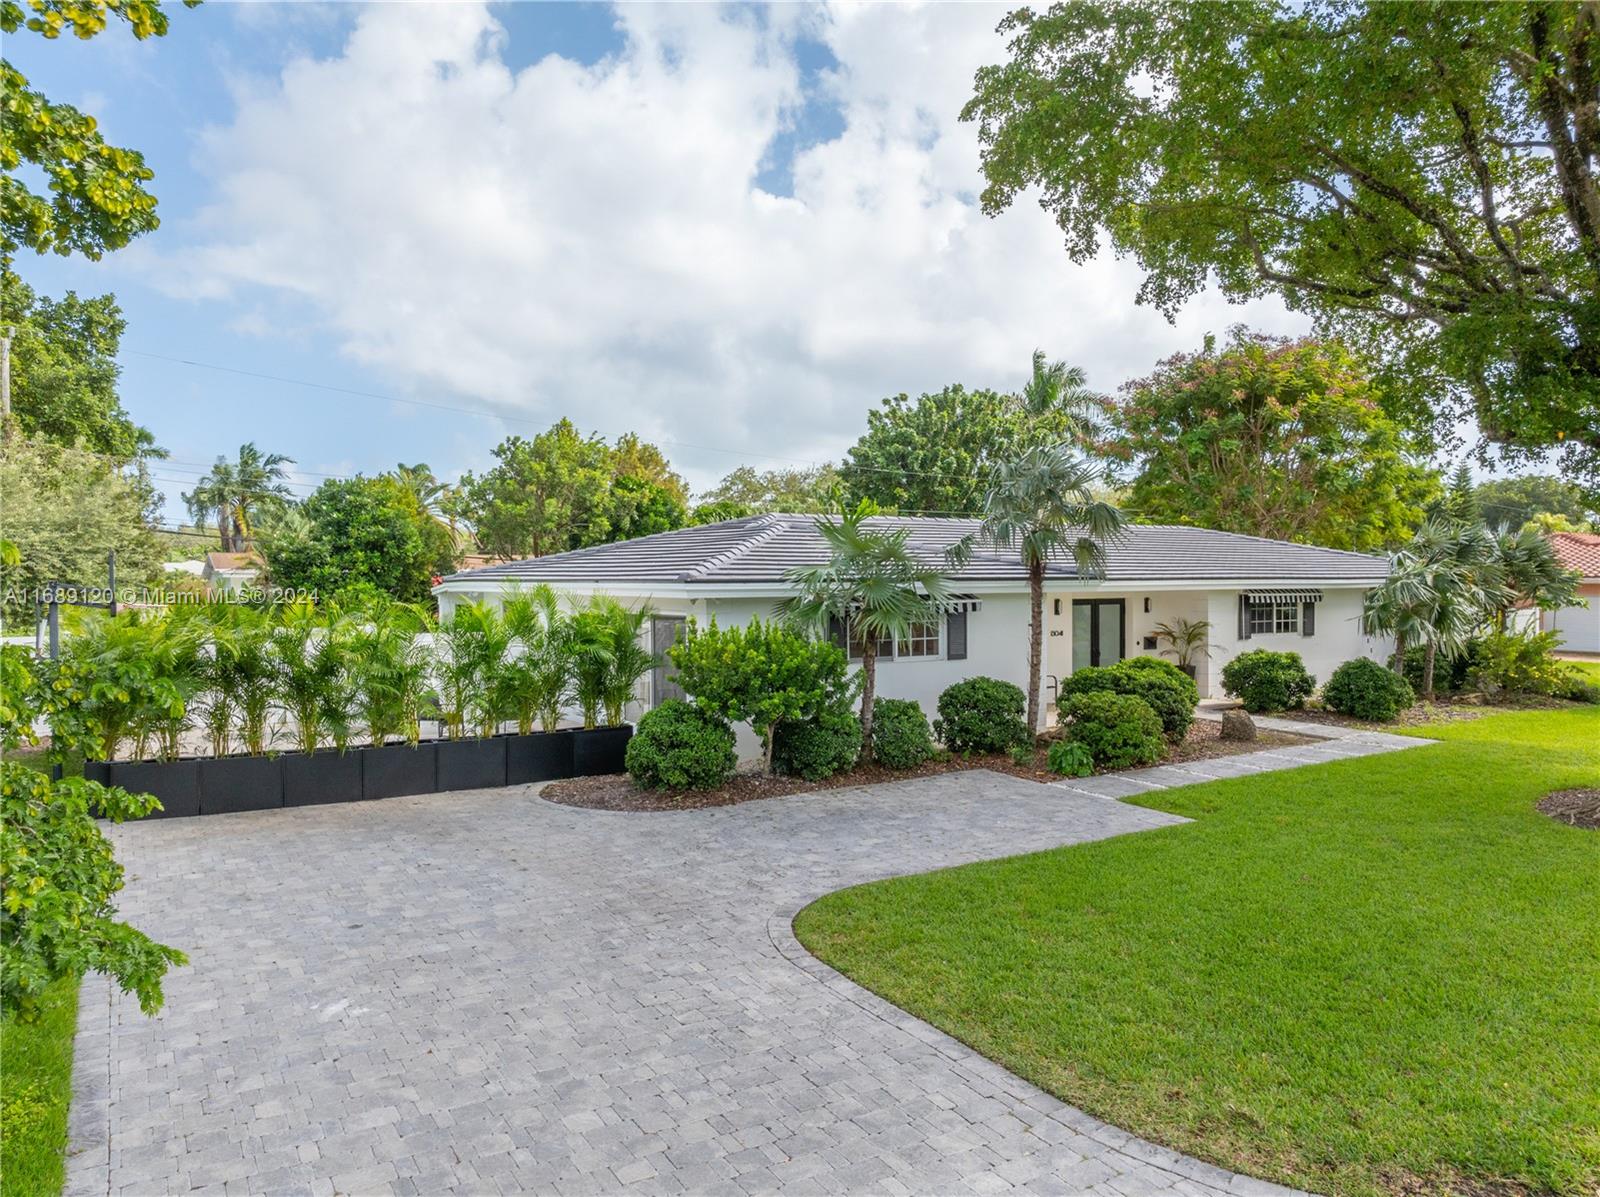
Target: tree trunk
{"x":1400,"y":654}
{"x":869,"y":673}
{"x":223,"y":529}
{"x":767,"y":742}
{"x":1427,"y":670}
{"x":1035,"y":640}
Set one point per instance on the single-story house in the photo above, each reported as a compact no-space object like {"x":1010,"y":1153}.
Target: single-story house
{"x":1254,"y":593}
{"x":1578,"y":626}
{"x":229,"y":573}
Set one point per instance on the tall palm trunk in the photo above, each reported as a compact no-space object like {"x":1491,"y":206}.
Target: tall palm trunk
{"x":869,"y":675}
{"x":1035,"y":640}
{"x":1400,"y":654}
{"x":224,"y":528}
{"x":1427,"y":669}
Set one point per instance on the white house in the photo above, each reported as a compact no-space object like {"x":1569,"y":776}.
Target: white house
{"x":1254,"y":593}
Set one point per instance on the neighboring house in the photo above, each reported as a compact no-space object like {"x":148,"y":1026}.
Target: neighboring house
{"x":1578,"y":627}
{"x":1256,"y":594}
{"x":229,"y":573}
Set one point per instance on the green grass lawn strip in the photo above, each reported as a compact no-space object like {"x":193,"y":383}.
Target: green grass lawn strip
{"x":1341,"y":977}
{"x":35,"y":1090}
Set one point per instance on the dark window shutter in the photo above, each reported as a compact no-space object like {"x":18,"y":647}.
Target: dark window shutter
{"x":1308,"y":619}
{"x":836,"y":635}
{"x":1244,"y":617}
{"x":955,"y":640}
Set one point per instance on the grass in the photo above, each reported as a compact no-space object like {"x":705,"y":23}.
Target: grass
{"x":36,"y":1067}
{"x":1373,"y":976}
{"x":1589,"y":669}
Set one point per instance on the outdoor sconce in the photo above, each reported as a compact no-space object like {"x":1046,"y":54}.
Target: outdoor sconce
{"x":1058,"y":606}
{"x":1147,"y":604}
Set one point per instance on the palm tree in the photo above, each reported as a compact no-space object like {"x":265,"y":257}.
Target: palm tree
{"x":1055,"y":387}
{"x":236,"y":491}
{"x":1532,"y":573}
{"x":873,"y":585}
{"x":1042,"y":505}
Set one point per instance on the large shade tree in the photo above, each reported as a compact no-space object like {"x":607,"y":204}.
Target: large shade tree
{"x":801,"y":490}
{"x":1270,"y":437}
{"x":1423,"y":178}
{"x":873,"y":587}
{"x":1043,"y":507}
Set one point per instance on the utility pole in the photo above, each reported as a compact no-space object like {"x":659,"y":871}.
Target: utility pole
{"x":5,"y":379}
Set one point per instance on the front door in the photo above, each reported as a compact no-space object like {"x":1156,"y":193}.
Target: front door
{"x":1097,"y":632}
{"x":664,"y":633}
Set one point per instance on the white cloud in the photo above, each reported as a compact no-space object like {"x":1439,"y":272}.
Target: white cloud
{"x":591,"y":240}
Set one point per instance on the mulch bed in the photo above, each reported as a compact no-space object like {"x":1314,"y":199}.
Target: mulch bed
{"x":1575,"y":808}
{"x":1454,"y":708}
{"x":617,"y":792}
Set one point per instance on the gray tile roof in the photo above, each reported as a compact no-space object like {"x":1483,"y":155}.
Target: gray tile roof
{"x":762,"y":548}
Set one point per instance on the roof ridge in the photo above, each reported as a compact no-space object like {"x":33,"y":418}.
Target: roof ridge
{"x":1321,"y":548}
{"x":773,"y":525}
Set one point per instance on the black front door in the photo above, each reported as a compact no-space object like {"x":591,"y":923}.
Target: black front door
{"x":1097,"y":632}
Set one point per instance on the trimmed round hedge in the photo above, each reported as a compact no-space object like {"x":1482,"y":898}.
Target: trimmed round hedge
{"x":1363,"y":689}
{"x":679,"y":746}
{"x":1119,"y":730}
{"x":982,"y":714}
{"x":1268,"y":681}
{"x":901,"y":737}
{"x":1170,"y":692}
{"x":817,"y":748}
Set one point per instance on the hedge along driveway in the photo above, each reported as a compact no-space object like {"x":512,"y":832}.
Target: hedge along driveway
{"x":1343,"y":977}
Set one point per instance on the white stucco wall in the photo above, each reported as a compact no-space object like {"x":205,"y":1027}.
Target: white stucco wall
{"x":1338,"y":637}
{"x":1578,"y":627}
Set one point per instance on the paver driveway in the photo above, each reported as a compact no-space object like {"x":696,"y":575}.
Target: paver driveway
{"x":487,"y":992}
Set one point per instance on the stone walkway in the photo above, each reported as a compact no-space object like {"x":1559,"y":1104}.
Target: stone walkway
{"x":484,"y":992}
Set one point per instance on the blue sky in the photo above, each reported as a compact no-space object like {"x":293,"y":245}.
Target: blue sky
{"x":732,"y":230}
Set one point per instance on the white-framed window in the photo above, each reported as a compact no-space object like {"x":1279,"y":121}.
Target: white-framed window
{"x":858,"y":645}
{"x":923,"y":641}
{"x":1267,"y":618}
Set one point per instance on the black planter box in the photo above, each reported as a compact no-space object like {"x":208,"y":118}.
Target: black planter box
{"x":175,"y":783}
{"x":324,"y":776}
{"x":472,"y":764}
{"x":540,"y":756}
{"x":398,"y":769}
{"x":98,"y":771}
{"x":230,"y":784}
{"x":600,"y":750}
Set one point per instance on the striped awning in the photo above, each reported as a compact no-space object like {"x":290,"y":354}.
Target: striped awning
{"x":1284,"y":596}
{"x":964,"y":602}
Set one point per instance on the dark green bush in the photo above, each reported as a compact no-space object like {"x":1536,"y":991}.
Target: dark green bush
{"x":1070,"y":759}
{"x":901,"y":737}
{"x":1268,"y":681}
{"x":1580,"y":689}
{"x":982,"y":714}
{"x":1363,"y":689}
{"x":1451,"y":674}
{"x":1170,"y":692}
{"x":820,"y":747}
{"x":1119,"y":730}
{"x":678,"y":746}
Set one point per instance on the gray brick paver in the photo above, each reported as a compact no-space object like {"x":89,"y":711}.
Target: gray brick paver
{"x":486,"y":992}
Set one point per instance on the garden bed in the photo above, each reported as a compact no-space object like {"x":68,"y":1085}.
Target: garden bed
{"x":1444,"y":709}
{"x":619,"y":793}
{"x":1575,"y":808}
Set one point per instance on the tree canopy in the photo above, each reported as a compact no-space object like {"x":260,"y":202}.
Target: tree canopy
{"x":1513,"y":502}
{"x":98,"y":200}
{"x":356,"y":534}
{"x":64,"y":371}
{"x":936,"y":453}
{"x":1421,"y":178}
{"x":799,"y":490}
{"x":1270,"y":437}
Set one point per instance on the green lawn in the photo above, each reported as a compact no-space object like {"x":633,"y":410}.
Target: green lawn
{"x":1351,"y":977}
{"x":35,"y":1087}
{"x":1589,"y":669}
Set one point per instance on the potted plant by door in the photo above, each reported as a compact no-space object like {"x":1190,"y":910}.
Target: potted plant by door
{"x":1185,"y":639}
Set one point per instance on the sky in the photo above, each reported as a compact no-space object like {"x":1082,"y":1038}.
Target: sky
{"x":732,"y":230}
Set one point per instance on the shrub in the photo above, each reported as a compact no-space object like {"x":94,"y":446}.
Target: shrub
{"x":901,"y":737}
{"x":1580,"y":689}
{"x":820,"y":747}
{"x":1268,"y":681}
{"x":1452,"y":673}
{"x":1070,"y":759}
{"x":1170,"y":692}
{"x":765,"y":674}
{"x":1118,"y":730}
{"x":1521,"y":662}
{"x":982,"y":714}
{"x":681,"y":747}
{"x":1364,"y":689}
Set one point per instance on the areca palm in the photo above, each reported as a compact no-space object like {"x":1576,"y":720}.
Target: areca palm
{"x":536,"y":682}
{"x":1042,"y":505}
{"x":873,"y":584}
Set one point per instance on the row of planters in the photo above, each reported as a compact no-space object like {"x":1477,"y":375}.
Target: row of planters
{"x":330,"y":705}
{"x":1495,"y":664}
{"x":798,"y":695}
